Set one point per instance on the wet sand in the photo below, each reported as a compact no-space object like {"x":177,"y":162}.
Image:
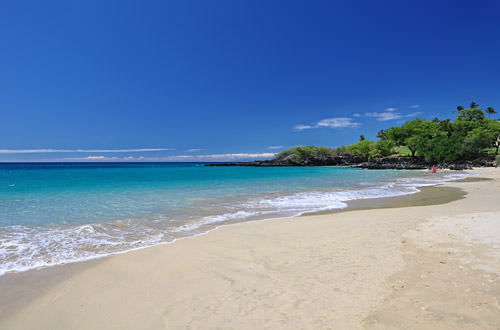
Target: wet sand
{"x":428,"y":196}
{"x":370,"y":267}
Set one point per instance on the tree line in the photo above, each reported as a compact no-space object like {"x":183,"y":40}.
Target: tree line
{"x":470,"y":135}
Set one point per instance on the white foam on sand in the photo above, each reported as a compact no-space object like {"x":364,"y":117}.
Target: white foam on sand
{"x":28,"y":247}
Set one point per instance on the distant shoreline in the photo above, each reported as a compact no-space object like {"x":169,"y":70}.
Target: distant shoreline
{"x":392,"y":163}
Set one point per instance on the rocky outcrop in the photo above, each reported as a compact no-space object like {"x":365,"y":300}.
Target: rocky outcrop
{"x":468,"y":164}
{"x":289,"y":161}
{"x":397,"y":163}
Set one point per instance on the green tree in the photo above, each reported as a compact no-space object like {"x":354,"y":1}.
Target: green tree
{"x":323,"y":153}
{"x":467,"y":120}
{"x":472,"y":114}
{"x":414,"y":133}
{"x":307,"y":154}
{"x":477,"y":139}
{"x":361,"y":149}
{"x":490,"y":111}
{"x":416,"y":143}
{"x":382,"y":135}
{"x":341,"y":151}
{"x":383,"y":148}
{"x":444,"y":149}
{"x":437,"y":140}
{"x":445,"y":126}
{"x":492,"y":127}
{"x":297,"y":154}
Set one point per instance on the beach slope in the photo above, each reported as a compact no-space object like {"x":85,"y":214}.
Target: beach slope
{"x":419,"y":267}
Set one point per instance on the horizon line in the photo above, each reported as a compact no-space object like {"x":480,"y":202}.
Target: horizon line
{"x":48,"y":150}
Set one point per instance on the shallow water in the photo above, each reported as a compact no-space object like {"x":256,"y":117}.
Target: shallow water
{"x":65,"y":212}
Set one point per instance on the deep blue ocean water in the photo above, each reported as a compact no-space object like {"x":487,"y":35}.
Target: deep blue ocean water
{"x":53,"y":213}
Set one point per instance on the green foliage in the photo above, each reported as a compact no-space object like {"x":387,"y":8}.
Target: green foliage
{"x":322,"y":153}
{"x":413,"y":134}
{"x":445,"y":126}
{"x":478,"y":139}
{"x":298,"y":154}
{"x":444,"y":149}
{"x":305,"y":154}
{"x":402,"y":151}
{"x":492,"y":125}
{"x":341,"y":151}
{"x":490,"y":111}
{"x":468,"y":120}
{"x":361,"y":149}
{"x":382,"y":135}
{"x":445,"y":140}
{"x":468,"y":136}
{"x":383,"y":148}
{"x":492,"y":132}
{"x":416,"y":143}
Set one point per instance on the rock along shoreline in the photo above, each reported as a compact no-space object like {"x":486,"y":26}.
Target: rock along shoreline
{"x":397,"y":163}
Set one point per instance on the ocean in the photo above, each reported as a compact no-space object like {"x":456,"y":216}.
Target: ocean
{"x":56,"y":213}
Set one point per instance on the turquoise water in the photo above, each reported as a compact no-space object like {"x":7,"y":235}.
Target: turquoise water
{"x":58,"y":213}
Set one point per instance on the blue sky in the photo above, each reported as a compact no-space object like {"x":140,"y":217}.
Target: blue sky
{"x":228,"y":80}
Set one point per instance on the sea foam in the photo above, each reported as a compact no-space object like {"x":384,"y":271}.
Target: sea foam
{"x":28,"y":247}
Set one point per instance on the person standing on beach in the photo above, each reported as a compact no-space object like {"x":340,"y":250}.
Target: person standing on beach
{"x":434,"y":169}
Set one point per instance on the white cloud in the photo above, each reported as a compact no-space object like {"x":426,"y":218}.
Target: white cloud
{"x":392,"y":114}
{"x":193,"y":150}
{"x":227,"y":157}
{"x":357,"y":115}
{"x":275,"y":147}
{"x":301,"y":127}
{"x":383,"y":116}
{"x":339,"y":122}
{"x":101,"y":158}
{"x":413,"y":114}
{"x":238,"y":155}
{"x":214,"y":157}
{"x":33,"y":151}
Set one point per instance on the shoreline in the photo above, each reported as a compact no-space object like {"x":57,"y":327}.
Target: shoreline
{"x":404,"y":199}
{"x":377,"y":163}
{"x":87,"y":273}
{"x":190,"y":230}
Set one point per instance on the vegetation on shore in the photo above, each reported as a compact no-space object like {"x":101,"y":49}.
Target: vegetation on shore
{"x":469,"y":136}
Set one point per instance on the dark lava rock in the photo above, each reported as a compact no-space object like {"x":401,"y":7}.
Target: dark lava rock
{"x":394,"y":163}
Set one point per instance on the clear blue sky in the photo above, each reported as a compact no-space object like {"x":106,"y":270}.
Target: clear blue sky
{"x":96,"y":79}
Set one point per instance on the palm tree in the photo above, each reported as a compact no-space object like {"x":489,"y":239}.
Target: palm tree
{"x":490,"y":111}
{"x":474,"y":105}
{"x":382,"y":135}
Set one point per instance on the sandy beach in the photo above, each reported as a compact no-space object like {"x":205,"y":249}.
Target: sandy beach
{"x":424,"y":261}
